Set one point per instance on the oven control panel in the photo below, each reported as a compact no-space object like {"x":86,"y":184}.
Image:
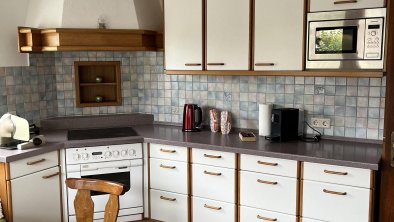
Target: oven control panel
{"x":103,"y":153}
{"x":373,"y":38}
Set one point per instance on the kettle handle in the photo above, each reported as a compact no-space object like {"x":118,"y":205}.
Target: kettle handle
{"x":199,"y":116}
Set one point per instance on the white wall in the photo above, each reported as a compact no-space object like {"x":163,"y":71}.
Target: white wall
{"x":12,"y":15}
{"x":44,"y":13}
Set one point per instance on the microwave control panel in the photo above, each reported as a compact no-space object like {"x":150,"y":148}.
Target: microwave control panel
{"x":373,"y":38}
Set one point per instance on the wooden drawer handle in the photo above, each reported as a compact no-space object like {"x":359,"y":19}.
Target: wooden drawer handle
{"x":267,"y":163}
{"x":212,"y":156}
{"x":212,"y":207}
{"x":264,"y":64}
{"x":167,"y":167}
{"x":267,"y":182}
{"x":167,"y":198}
{"x":335,"y":172}
{"x":266,"y":218}
{"x":36,"y":162}
{"x":193,"y":64}
{"x":49,"y":176}
{"x":216,"y":64}
{"x":334,"y":192}
{"x":211,"y":173}
{"x":345,"y":2}
{"x":167,"y":151}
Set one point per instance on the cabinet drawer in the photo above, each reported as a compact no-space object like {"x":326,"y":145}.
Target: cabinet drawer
{"x":213,"y":158}
{"x":309,"y":220}
{"x":268,"y":192}
{"x":33,"y":164}
{"x":333,"y":5}
{"x":249,"y":214}
{"x":168,"y":175}
{"x":337,"y":174}
{"x":323,"y":201}
{"x":168,"y":152}
{"x":205,"y":210}
{"x":268,"y":165}
{"x":214,"y":183}
{"x":168,"y":207}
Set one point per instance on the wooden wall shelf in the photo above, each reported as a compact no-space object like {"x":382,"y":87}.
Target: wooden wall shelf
{"x":87,"y":89}
{"x":32,"y":40}
{"x":376,"y":74}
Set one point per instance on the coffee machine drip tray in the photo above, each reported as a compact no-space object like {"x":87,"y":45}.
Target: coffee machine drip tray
{"x":86,"y":134}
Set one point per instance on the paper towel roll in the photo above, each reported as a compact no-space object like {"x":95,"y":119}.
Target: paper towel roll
{"x":265,"y":111}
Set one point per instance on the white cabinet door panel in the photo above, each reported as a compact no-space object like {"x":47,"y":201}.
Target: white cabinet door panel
{"x":228,"y":34}
{"x":328,"y":202}
{"x":33,"y":164}
{"x":269,"y":165}
{"x":168,"y":152}
{"x":213,"y":158}
{"x":168,"y":175}
{"x":205,"y":210}
{"x":36,"y":198}
{"x":249,"y":214}
{"x":279,"y":34}
{"x":183,"y":34}
{"x":168,"y":207}
{"x":329,"y":5}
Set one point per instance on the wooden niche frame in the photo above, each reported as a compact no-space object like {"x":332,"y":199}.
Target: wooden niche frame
{"x":87,"y":88}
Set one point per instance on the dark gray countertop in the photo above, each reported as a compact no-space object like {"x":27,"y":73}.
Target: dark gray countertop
{"x":337,"y":152}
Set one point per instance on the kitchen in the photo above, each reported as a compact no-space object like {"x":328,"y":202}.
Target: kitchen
{"x":205,"y":62}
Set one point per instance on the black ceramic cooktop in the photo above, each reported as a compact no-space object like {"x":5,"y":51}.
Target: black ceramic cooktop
{"x":86,"y":134}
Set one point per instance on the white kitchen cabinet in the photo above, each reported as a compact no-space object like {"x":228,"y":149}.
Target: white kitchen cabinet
{"x":183,"y":34}
{"x":168,"y":152}
{"x":334,"y":5}
{"x":329,"y":202}
{"x":248,"y":214}
{"x":205,"y":210}
{"x":278,"y":39}
{"x":268,"y":165}
{"x":213,"y":158}
{"x":169,"y":175}
{"x":36,"y":197}
{"x":227,"y":34}
{"x":169,"y":207}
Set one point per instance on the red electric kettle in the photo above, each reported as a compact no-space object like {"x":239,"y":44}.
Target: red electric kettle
{"x":192,"y":118}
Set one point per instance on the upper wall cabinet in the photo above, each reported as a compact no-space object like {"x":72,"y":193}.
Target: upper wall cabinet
{"x":333,"y":5}
{"x":183,"y":34}
{"x":278,"y":34}
{"x":228,"y":29}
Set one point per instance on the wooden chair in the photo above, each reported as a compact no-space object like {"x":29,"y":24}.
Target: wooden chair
{"x":83,"y":202}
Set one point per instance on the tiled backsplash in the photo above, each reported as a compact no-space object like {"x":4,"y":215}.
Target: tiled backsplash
{"x":354,"y":105}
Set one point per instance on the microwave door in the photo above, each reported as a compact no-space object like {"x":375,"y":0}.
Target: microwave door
{"x":336,"y":40}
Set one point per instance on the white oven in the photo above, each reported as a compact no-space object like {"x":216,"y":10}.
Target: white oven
{"x":118,"y":163}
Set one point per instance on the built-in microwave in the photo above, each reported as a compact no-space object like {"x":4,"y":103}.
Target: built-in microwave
{"x":350,"y":40}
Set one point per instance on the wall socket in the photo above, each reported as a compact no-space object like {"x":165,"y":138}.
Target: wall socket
{"x":321,"y":123}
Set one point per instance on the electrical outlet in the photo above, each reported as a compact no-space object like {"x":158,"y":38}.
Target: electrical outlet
{"x":321,"y":122}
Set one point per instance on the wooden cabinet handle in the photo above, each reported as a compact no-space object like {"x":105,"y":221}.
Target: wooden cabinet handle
{"x":211,"y":173}
{"x":49,"y":176}
{"x":266,"y":218}
{"x":193,"y":64}
{"x":267,"y":182}
{"x":335,"y":172}
{"x":215,"y":64}
{"x":267,"y":163}
{"x":212,"y":207}
{"x":334,"y":192}
{"x":167,"y":167}
{"x":345,"y":2}
{"x":212,"y":156}
{"x":167,"y":151}
{"x":264,"y":64}
{"x":36,"y":162}
{"x":167,"y":198}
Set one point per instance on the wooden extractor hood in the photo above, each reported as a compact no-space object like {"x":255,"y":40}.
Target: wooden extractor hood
{"x":32,"y":40}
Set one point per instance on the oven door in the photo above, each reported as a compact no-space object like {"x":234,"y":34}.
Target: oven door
{"x":336,"y":40}
{"x":127,"y":172}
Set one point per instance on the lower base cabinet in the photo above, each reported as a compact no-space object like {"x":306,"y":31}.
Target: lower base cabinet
{"x":205,"y":210}
{"x":248,"y":214}
{"x":168,"y":207}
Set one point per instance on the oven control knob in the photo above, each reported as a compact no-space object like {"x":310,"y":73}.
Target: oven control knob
{"x":116,"y":153}
{"x":132,"y":152}
{"x":85,"y":156}
{"x":123,"y":153}
{"x":108,"y":154}
{"x":76,"y":156}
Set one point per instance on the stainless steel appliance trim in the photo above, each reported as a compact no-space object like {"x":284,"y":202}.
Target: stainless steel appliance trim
{"x":348,"y":14}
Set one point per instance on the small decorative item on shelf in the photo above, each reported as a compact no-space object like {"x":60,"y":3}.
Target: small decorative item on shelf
{"x":225,"y":124}
{"x":101,"y":23}
{"x":99,"y":79}
{"x":99,"y":99}
{"x":247,"y":137}
{"x":214,"y":120}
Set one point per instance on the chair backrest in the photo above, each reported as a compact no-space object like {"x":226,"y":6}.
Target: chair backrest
{"x":83,"y":203}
